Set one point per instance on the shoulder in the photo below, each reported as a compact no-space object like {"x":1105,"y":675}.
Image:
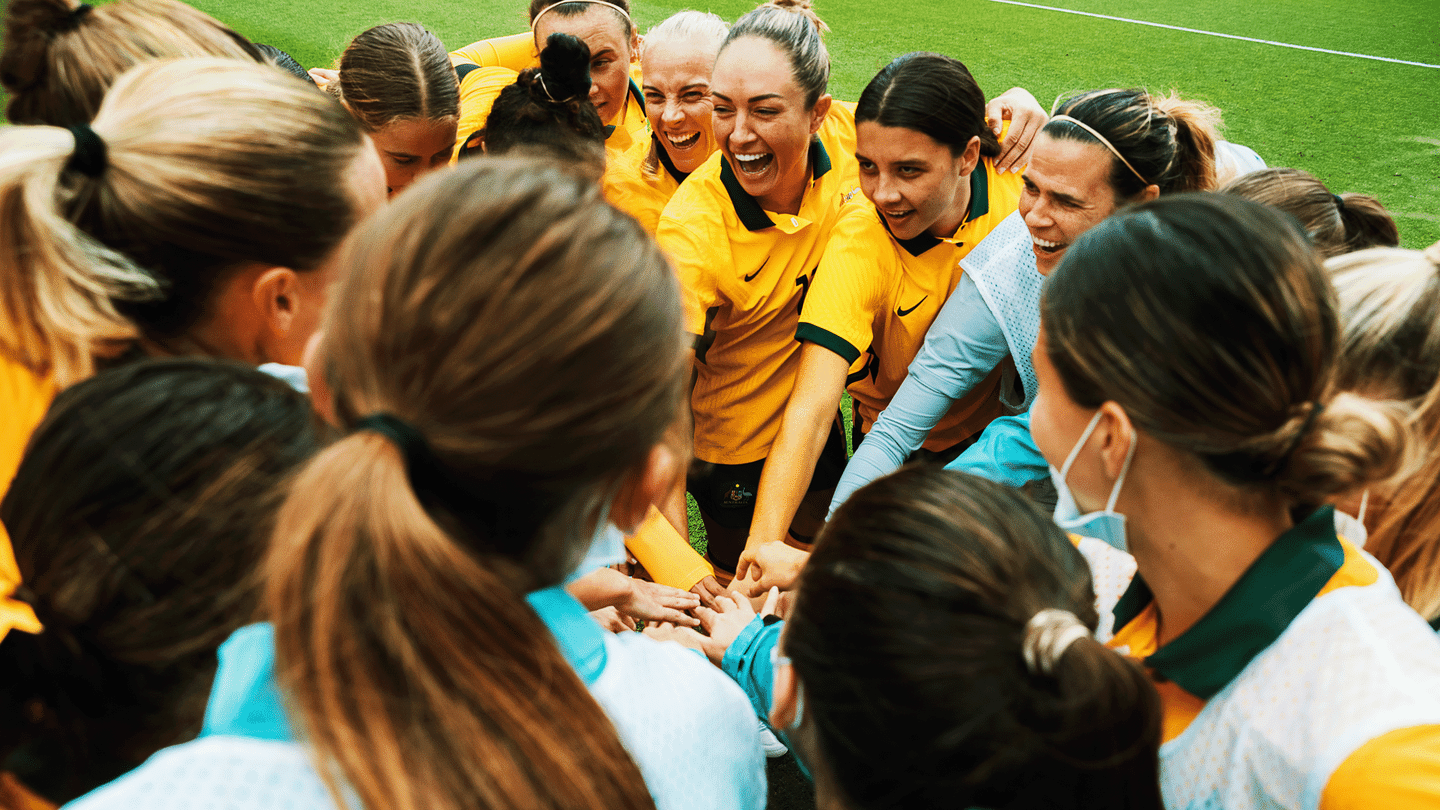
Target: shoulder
{"x":232,"y":772}
{"x":1399,"y":771}
{"x":690,"y":728}
{"x":701,"y":202}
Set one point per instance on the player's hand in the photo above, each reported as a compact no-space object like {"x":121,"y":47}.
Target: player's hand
{"x":724,"y":624}
{"x":770,"y":565}
{"x":653,"y":602}
{"x":683,"y":636}
{"x":1026,"y":118}
{"x":611,"y":619}
{"x":708,"y":589}
{"x":324,"y":77}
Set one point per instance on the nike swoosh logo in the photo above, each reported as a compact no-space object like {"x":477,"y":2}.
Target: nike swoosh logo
{"x":752,"y":276}
{"x":903,"y":312}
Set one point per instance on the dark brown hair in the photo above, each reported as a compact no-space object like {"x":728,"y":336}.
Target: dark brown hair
{"x":793,"y":27}
{"x":1336,"y":223}
{"x":139,"y":517}
{"x":907,"y":636}
{"x":531,"y":334}
{"x":1209,"y":319}
{"x":1170,"y":141}
{"x":397,"y":71}
{"x":933,"y":95}
{"x":59,"y":60}
{"x":568,"y":9}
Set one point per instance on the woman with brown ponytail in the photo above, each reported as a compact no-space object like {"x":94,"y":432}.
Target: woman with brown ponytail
{"x":939,"y":654}
{"x":507,"y":364}
{"x":1191,"y":395}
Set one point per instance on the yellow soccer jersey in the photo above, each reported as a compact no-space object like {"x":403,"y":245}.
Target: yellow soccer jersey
{"x":514,"y":52}
{"x":638,"y":191}
{"x":24,"y":398}
{"x":875,"y":296}
{"x":745,"y":272}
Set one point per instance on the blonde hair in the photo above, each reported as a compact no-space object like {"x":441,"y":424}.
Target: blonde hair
{"x":210,"y":164}
{"x":1390,"y":346}
{"x":690,"y":28}
{"x":531,"y":335}
{"x":59,"y":60}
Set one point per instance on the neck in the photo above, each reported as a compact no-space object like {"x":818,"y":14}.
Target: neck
{"x":1191,"y":544}
{"x":788,"y":198}
{"x":946,"y":226}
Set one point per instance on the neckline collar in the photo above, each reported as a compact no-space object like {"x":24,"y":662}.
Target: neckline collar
{"x":665,"y":161}
{"x":1256,"y":610}
{"x":634,"y":95}
{"x":979,"y":207}
{"x":752,"y":214}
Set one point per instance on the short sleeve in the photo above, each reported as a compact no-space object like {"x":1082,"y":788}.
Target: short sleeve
{"x":1396,"y":771}
{"x":850,"y":286}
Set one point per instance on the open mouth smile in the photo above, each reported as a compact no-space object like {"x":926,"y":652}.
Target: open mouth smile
{"x":753,"y":164}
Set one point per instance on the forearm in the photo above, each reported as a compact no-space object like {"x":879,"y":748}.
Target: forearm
{"x":601,"y":588}
{"x":804,"y":428}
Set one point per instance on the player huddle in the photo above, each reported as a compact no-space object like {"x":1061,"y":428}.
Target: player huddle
{"x":349,"y":416}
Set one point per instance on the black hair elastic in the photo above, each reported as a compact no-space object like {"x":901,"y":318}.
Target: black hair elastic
{"x":90,"y":155}
{"x":80,"y":11}
{"x":486,"y":509}
{"x":1339,"y":202}
{"x":1315,"y":408}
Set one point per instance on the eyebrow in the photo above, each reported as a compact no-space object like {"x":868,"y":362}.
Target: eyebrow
{"x":606,"y":52}
{"x":695,"y":85}
{"x":753,"y":99}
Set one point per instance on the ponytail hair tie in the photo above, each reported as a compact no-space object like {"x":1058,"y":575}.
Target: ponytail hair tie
{"x":1048,"y":635}
{"x":496,"y":512}
{"x":90,"y":155}
{"x":80,"y":11}
{"x":1339,"y":203}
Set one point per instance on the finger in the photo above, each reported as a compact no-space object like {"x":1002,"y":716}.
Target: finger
{"x":743,"y":569}
{"x":742,"y":602}
{"x":724,"y":603}
{"x":681,"y":601}
{"x":680,"y":619}
{"x":771,"y":600}
{"x":707,"y":617}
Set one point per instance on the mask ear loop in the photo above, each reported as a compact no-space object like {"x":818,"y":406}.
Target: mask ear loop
{"x":1124,"y":470}
{"x":1075,"y":451}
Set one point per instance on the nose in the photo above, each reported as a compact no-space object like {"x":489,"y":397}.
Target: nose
{"x":886,"y":192}
{"x":672,"y":115}
{"x":1037,"y":215}
{"x":743,"y":135}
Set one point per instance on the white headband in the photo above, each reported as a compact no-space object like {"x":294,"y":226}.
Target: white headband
{"x":1101,"y":138}
{"x":535,"y":22}
{"x":1048,"y":635}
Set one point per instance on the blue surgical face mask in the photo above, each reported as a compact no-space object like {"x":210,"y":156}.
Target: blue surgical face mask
{"x":607,"y":547}
{"x":1107,"y":525}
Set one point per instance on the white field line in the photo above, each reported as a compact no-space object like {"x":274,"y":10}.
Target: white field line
{"x":1215,"y":34}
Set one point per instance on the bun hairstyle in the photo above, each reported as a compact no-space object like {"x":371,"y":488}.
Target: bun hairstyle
{"x":60,"y":57}
{"x":1167,"y":140}
{"x":547,"y":111}
{"x":205,"y":165}
{"x":139,"y":518}
{"x":908,"y":636}
{"x":397,"y":71}
{"x":931,"y":94}
{"x":795,"y":28}
{"x":1231,"y":295}
{"x":1390,"y":347}
{"x":531,"y":335}
{"x":1336,"y":223}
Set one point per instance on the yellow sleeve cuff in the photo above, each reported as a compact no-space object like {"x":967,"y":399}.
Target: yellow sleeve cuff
{"x":665,"y":554}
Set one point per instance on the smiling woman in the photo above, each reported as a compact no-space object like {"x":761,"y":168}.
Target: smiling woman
{"x":927,"y":167}
{"x":679,"y":55}
{"x":1104,"y":150}
{"x":397,"y":81}
{"x":745,"y":233}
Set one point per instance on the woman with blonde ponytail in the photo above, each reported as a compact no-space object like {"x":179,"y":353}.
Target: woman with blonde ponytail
{"x":505,"y":358}
{"x":194,"y":216}
{"x":1390,"y":347}
{"x":1192,"y":399}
